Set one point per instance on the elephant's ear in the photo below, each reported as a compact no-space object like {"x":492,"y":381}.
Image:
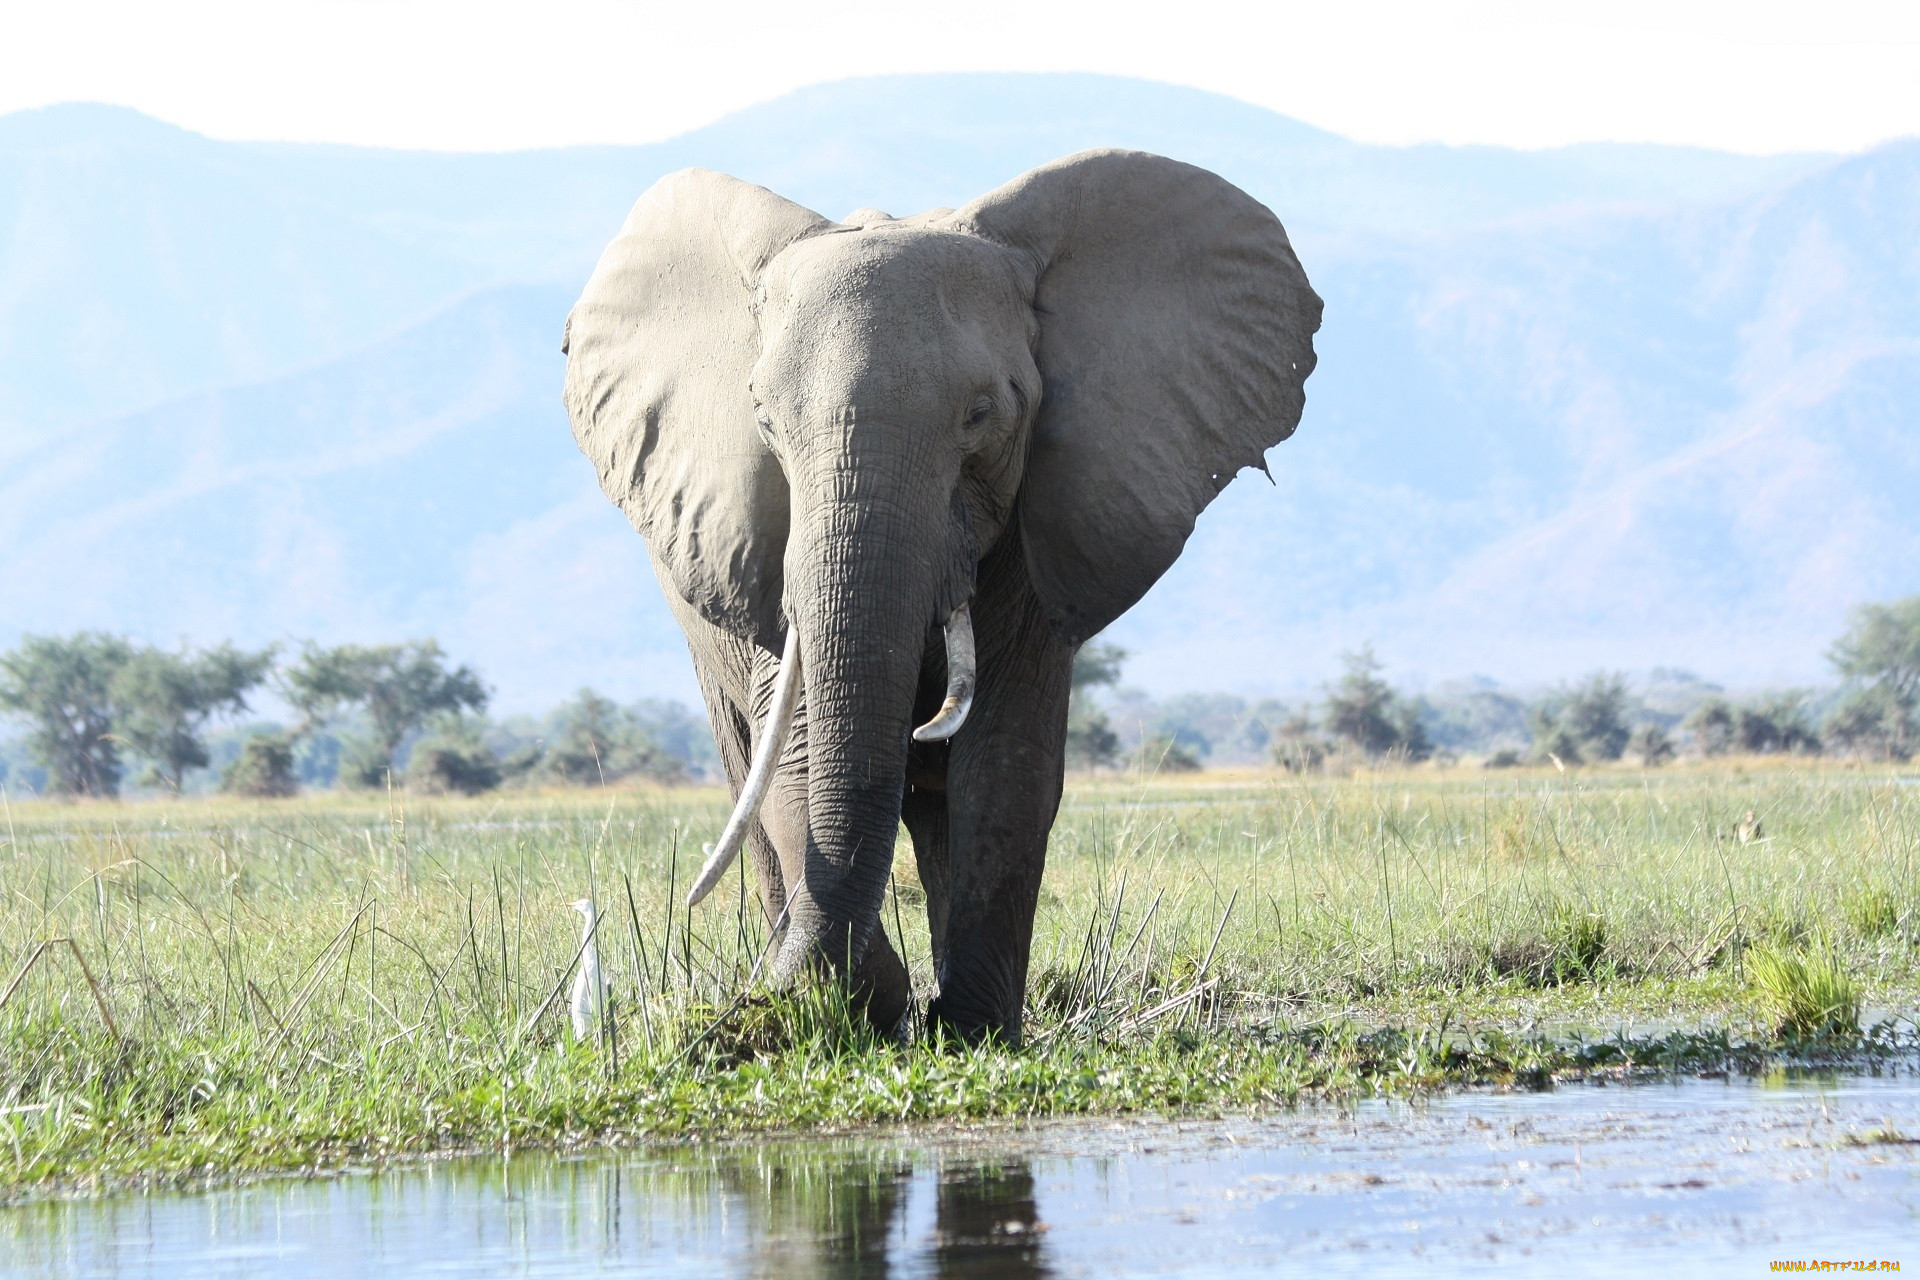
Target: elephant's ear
{"x":660,"y":351}
{"x":1176,"y":331}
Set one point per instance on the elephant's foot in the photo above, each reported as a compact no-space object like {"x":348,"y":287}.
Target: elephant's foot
{"x":974,"y":1022}
{"x":880,"y":986}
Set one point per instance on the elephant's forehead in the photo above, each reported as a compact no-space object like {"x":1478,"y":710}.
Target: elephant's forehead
{"x":891,"y":269}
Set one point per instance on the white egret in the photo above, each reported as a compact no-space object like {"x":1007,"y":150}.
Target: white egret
{"x":589,"y":984}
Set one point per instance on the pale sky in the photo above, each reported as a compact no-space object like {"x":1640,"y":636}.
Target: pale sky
{"x":1746,"y":75}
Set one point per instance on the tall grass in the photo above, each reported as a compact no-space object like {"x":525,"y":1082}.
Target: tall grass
{"x":1810,"y":991}
{"x":271,"y":983}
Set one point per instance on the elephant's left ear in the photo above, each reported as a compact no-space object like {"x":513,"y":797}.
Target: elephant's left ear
{"x":1176,"y":331}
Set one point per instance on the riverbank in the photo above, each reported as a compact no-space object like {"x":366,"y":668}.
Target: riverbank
{"x":339,"y":979}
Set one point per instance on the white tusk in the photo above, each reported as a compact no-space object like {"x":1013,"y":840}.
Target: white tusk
{"x":766,"y":755}
{"x":960,"y":680}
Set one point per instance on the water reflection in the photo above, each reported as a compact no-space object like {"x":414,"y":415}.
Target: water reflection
{"x":844,"y":1216}
{"x":1709,"y":1174}
{"x":796,"y":1211}
{"x":989,"y":1225}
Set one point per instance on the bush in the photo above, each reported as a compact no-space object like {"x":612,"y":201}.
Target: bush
{"x":263,"y":769}
{"x":439,"y":768}
{"x":1163,"y":753}
{"x":1571,"y":949}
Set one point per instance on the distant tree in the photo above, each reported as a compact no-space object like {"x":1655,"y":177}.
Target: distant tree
{"x":64,"y":686}
{"x":1091,"y":741}
{"x":162,"y":702}
{"x":591,"y":736}
{"x":398,"y":686}
{"x":263,"y":769}
{"x":1163,"y":753}
{"x":1595,"y":713}
{"x":681,"y":734}
{"x":1653,"y":744}
{"x":1552,"y":740}
{"x":1774,"y":725}
{"x":1867,"y":722}
{"x":1364,"y":711}
{"x":1711,"y":725}
{"x":1585,"y":723}
{"x":592,"y":741}
{"x":1296,"y":746}
{"x":1411,"y":731}
{"x":1096,"y":665}
{"x":1469,"y":718}
{"x":1880,"y":657}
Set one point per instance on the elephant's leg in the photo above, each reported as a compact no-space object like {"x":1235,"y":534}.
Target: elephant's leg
{"x":924,"y":807}
{"x":1004,"y":777}
{"x":728,"y":670}
{"x":925,"y":815}
{"x":736,"y":682}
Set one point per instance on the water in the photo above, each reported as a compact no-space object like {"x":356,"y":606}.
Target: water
{"x":1698,"y":1177}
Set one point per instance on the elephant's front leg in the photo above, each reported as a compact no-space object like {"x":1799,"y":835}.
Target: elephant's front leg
{"x":1003,"y":790}
{"x":736,"y":681}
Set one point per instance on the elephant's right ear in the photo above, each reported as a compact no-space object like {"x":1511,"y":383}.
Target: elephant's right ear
{"x":660,"y":350}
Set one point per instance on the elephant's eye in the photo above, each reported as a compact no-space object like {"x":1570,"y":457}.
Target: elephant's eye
{"x":979,"y":412}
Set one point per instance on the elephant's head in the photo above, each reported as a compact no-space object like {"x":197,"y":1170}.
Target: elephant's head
{"x":824,"y":426}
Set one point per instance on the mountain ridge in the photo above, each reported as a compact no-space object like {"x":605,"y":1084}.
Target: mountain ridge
{"x":1533,"y":442}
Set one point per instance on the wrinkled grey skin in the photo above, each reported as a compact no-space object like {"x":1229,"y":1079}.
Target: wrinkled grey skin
{"x":855,"y":427}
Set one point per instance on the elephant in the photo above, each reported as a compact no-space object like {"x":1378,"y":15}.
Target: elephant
{"x":891,"y":473}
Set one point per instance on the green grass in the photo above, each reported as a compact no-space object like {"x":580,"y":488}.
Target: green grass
{"x":1810,"y":991}
{"x":335,"y":979}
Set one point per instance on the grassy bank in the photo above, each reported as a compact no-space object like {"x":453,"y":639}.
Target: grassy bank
{"x":300,"y":983}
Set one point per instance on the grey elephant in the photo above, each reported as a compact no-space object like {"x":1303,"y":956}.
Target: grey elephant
{"x":891,"y":473}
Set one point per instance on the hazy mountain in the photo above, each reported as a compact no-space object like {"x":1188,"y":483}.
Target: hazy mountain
{"x":1613,"y":406}
{"x":138,"y":261}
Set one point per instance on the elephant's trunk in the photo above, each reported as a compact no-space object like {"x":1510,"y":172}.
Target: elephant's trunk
{"x":866,"y":577}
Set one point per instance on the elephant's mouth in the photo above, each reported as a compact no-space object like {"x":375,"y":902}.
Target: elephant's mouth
{"x":771,"y":740}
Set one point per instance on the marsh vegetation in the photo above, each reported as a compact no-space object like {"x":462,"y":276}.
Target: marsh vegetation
{"x":285,"y":984}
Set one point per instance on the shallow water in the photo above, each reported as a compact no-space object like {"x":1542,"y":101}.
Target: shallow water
{"x":1698,"y":1177}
